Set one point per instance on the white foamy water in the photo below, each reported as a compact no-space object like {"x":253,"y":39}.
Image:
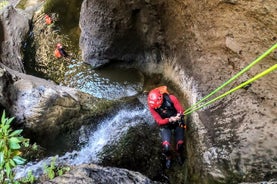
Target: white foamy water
{"x":108,"y":132}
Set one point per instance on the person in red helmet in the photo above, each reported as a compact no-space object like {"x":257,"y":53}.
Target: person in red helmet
{"x":59,"y":51}
{"x":167,"y":112}
{"x":48,"y":19}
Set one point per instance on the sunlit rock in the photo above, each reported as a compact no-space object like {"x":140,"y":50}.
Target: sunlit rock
{"x":14,"y":26}
{"x":45,"y":108}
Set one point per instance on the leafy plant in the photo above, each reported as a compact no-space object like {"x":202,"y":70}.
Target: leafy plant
{"x":30,"y":178}
{"x":52,"y":170}
{"x":62,"y":170}
{"x":10,"y":144}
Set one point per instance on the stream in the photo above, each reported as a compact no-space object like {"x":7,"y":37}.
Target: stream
{"x":110,"y":82}
{"x":93,"y":140}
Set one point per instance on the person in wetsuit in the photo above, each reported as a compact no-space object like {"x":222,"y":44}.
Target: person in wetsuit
{"x":167,"y":110}
{"x":59,"y":51}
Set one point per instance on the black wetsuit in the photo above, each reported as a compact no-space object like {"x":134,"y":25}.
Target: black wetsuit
{"x":167,"y":110}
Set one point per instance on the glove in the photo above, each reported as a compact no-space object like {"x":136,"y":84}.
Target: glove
{"x":171,"y":119}
{"x":174,"y":118}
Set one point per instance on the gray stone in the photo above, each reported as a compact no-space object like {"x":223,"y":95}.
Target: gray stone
{"x":15,"y":26}
{"x":46,"y":108}
{"x":118,"y":30}
{"x":85,"y":174}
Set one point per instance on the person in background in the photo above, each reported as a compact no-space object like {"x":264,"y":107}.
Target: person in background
{"x":167,"y":112}
{"x":59,"y":51}
{"x":48,"y":19}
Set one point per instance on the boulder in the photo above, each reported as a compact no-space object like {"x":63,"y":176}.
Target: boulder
{"x":120,"y":30}
{"x":14,"y":27}
{"x":84,"y":174}
{"x":44,"y":108}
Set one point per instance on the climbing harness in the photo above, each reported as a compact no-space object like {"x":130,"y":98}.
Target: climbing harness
{"x":198,"y":105}
{"x":182,"y":123}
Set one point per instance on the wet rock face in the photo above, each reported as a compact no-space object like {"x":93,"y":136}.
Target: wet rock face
{"x":119,"y":30}
{"x":5,"y":80}
{"x":207,"y":42}
{"x":14,"y":27}
{"x":101,"y":175}
{"x":139,"y":150}
{"x":214,"y":41}
{"x":44,"y":108}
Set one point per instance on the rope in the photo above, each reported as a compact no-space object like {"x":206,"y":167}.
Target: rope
{"x":269,"y":70}
{"x":194,"y":108}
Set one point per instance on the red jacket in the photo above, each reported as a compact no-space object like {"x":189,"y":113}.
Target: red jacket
{"x":165,"y":121}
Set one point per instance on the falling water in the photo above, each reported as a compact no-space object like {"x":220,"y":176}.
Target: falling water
{"x":108,"y":132}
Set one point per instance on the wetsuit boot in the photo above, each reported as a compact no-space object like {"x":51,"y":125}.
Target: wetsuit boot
{"x":180,"y":149}
{"x":168,"y":163}
{"x":167,"y":156}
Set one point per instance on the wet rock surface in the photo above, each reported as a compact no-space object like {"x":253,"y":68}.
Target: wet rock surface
{"x":234,"y":139}
{"x":44,"y":108}
{"x":235,"y":135}
{"x":120,"y":30}
{"x":138,"y":150}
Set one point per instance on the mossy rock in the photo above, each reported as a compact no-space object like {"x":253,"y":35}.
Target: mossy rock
{"x":138,"y":150}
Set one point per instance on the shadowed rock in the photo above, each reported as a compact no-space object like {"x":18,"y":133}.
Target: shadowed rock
{"x":119,"y":30}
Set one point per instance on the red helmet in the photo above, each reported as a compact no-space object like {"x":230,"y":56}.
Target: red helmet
{"x":48,"y":19}
{"x":155,"y":99}
{"x":59,"y":45}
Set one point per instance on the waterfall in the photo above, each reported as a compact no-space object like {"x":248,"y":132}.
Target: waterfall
{"x":107,"y":132}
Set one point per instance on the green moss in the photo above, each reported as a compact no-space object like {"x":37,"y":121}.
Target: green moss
{"x":22,"y":4}
{"x":3,"y":4}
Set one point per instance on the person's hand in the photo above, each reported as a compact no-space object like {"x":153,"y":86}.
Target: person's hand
{"x":178,"y":117}
{"x":170,"y":120}
{"x":175,"y":118}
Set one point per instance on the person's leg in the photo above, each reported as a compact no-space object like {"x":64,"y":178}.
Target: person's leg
{"x":179,"y":139}
{"x":166,"y":135}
